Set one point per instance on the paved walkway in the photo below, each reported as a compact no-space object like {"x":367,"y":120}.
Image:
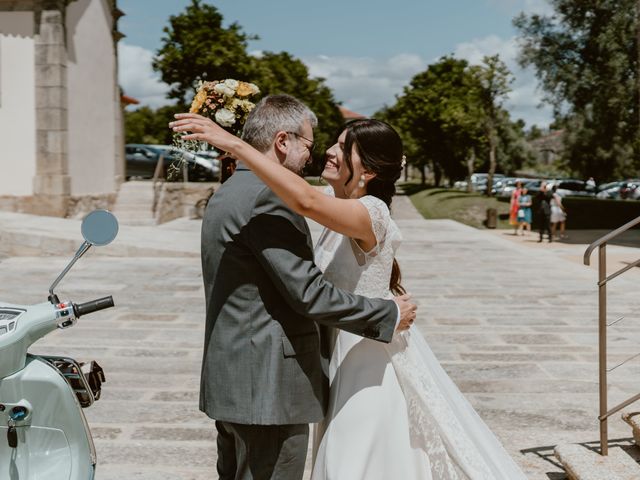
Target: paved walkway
{"x":513,"y":322}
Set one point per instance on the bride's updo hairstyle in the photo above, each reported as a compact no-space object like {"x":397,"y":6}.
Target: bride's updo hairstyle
{"x":380,"y":149}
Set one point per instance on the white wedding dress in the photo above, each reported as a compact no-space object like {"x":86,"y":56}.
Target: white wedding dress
{"x":394,"y":413}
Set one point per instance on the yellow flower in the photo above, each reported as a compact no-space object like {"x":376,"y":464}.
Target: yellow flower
{"x":198,"y":101}
{"x":245,"y":89}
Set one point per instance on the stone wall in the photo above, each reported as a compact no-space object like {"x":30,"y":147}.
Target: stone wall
{"x":176,"y":200}
{"x":79,"y":206}
{"x":73,"y":207}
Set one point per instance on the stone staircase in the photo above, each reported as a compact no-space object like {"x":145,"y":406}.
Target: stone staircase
{"x":134,"y":205}
{"x":584,"y":462}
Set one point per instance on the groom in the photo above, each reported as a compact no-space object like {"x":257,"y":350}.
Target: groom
{"x":262,"y":378}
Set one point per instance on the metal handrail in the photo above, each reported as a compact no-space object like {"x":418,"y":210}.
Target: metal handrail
{"x":155,"y":182}
{"x":607,"y":237}
{"x":603,"y":279}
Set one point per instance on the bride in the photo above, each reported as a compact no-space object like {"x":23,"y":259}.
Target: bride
{"x":393,"y":411}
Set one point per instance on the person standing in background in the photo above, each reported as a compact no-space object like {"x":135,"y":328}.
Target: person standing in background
{"x":524,"y":212}
{"x":514,"y":207}
{"x":558,"y":213}
{"x":544,"y":211}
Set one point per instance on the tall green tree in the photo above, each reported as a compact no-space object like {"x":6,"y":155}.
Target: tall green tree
{"x":586,"y":58}
{"x":196,"y":46}
{"x":451,"y":117}
{"x":493,"y":79}
{"x":435,"y":111}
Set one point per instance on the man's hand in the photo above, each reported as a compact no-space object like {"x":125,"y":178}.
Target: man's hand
{"x":407,"y":312}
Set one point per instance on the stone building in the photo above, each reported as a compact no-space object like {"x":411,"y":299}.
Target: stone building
{"x":549,"y":147}
{"x":61,"y":129}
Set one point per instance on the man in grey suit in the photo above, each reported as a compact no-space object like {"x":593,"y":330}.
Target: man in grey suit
{"x":262,"y":376}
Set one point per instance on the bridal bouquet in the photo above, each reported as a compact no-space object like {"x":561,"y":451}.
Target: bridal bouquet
{"x":226,"y":102}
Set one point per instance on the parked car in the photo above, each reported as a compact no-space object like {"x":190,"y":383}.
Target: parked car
{"x":199,"y":168}
{"x":509,"y":185}
{"x":460,"y":185}
{"x":609,"y":190}
{"x":630,"y":190}
{"x":533,"y":186}
{"x":142,"y":160}
{"x":572,"y":188}
{"x":210,"y":155}
{"x":479,"y":182}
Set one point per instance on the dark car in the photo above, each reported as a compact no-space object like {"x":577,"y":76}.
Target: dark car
{"x":573,"y":188}
{"x":533,"y":186}
{"x":142,"y":161}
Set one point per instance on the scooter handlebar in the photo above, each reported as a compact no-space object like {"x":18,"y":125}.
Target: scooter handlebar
{"x":93,"y":306}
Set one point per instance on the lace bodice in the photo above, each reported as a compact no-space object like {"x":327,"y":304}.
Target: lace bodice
{"x":348,"y":266}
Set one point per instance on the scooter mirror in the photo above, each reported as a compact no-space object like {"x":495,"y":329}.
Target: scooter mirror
{"x":99,"y":227}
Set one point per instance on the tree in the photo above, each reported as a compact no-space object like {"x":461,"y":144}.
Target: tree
{"x":514,"y":151}
{"x":586,"y":58}
{"x":146,"y":125}
{"x":197,"y":47}
{"x":493,"y":78}
{"x":282,"y":73}
{"x":435,"y":113}
{"x":451,"y":116}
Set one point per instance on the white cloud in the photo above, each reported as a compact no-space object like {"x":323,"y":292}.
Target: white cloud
{"x":540,"y":7}
{"x":513,"y":7}
{"x":137,"y":78}
{"x":366,"y":84}
{"x":362,"y":84}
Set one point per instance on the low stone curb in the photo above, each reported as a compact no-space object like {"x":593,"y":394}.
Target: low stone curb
{"x":582,"y":463}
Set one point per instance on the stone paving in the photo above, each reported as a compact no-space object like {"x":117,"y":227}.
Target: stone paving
{"x":513,"y":322}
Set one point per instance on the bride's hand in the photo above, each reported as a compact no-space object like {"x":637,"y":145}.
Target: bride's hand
{"x":407,"y":312}
{"x":204,"y":130}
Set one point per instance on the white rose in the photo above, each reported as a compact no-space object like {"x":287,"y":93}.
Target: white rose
{"x":232,"y":84}
{"x":225,"y":118}
{"x":254,"y":88}
{"x":223,"y":89}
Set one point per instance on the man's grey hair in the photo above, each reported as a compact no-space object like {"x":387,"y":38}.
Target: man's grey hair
{"x":273,"y":114}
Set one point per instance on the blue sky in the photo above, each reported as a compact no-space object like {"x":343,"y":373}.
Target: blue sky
{"x":366,"y":50}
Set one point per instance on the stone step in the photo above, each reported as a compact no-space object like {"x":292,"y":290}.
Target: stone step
{"x":134,"y":205}
{"x":583,"y":463}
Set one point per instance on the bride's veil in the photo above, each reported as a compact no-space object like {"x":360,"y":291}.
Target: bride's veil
{"x":443,"y":422}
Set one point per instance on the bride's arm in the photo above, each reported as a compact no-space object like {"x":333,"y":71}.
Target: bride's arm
{"x":346,"y":216}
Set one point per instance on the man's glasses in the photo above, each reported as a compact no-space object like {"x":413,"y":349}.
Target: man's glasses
{"x":311,"y":142}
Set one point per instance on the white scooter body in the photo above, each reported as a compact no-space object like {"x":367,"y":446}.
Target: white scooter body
{"x":43,"y":431}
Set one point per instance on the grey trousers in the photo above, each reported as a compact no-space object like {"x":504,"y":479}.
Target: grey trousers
{"x":261,"y":452}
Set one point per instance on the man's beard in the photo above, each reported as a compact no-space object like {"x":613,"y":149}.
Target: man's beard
{"x":298,"y":168}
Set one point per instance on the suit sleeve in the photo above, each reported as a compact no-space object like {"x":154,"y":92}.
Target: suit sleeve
{"x":279,"y":240}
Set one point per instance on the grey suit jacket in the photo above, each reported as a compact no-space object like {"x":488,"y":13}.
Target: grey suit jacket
{"x":266,"y":301}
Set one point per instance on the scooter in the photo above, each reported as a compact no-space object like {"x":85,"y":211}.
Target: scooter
{"x":43,"y":431}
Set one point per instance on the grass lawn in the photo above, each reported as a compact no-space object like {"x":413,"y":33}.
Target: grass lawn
{"x":467,"y":208}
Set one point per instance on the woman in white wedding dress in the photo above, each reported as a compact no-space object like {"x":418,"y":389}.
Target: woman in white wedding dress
{"x":393,"y":413}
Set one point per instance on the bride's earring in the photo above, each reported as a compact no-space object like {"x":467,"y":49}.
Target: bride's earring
{"x":361,"y":182}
